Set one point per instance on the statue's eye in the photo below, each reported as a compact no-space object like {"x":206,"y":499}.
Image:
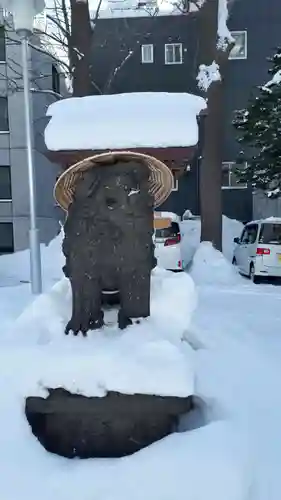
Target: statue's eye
{"x":110,"y":201}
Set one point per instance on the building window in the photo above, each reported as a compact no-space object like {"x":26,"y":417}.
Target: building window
{"x":147,"y":53}
{"x":2,"y":44}
{"x":55,"y":79}
{"x":6,"y":237}
{"x":4,"y":118}
{"x":239,"y":50}
{"x":175,"y":183}
{"x":173,"y":53}
{"x":5,"y":183}
{"x":229,"y":179}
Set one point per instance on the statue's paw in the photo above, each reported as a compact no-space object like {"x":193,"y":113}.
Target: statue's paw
{"x":65,"y":270}
{"x":75,"y":327}
{"x":95,"y":324}
{"x":123,"y":320}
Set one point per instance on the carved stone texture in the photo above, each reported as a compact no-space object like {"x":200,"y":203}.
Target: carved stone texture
{"x":108,"y":244}
{"x":112,"y":426}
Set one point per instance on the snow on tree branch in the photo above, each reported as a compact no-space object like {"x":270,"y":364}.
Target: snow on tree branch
{"x":224,"y":35}
{"x":220,"y":37}
{"x":275,"y":80}
{"x":207,"y":75}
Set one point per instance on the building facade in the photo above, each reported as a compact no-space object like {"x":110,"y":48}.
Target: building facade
{"x":14,"y":192}
{"x":147,"y":49}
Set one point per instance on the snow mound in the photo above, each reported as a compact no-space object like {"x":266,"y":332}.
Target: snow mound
{"x":124,"y":121}
{"x":191,"y":230}
{"x":209,"y":266}
{"x":149,"y":358}
{"x":15,"y":268}
{"x":272,"y":219}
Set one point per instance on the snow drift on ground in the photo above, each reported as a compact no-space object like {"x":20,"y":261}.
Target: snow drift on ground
{"x":209,"y":266}
{"x":235,"y":455}
{"x":191,"y":230}
{"x":15,"y":268}
{"x":238,"y":373}
{"x":124,"y":121}
{"x":211,"y":460}
{"x":148,"y":358}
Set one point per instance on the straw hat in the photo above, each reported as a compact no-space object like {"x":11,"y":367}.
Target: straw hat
{"x":160,"y":180}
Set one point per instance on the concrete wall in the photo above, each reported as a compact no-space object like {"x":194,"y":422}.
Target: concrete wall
{"x":13,"y":145}
{"x":265,"y":207}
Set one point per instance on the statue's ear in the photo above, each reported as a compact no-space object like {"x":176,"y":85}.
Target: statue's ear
{"x":142,"y":175}
{"x":138,"y":172}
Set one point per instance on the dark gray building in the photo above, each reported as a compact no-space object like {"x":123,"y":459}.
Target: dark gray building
{"x":138,"y":50}
{"x":14,"y":200}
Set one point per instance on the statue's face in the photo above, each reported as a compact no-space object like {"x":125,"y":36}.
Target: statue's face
{"x":118,"y":191}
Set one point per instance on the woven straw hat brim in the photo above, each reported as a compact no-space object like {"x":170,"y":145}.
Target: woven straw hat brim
{"x":160,"y":179}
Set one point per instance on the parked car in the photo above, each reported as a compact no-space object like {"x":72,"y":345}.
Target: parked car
{"x":257,"y":253}
{"x":167,"y":241}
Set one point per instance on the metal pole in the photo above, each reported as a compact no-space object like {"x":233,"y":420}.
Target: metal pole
{"x":35,"y":258}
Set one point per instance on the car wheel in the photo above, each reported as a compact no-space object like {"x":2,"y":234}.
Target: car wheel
{"x":255,"y":279}
{"x":234,"y":261}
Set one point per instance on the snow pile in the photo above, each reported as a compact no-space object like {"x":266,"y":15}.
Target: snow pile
{"x":124,"y":121}
{"x":15,"y":268}
{"x":191,"y":231}
{"x":210,"y":267}
{"x":235,"y":457}
{"x":212,"y":460}
{"x":273,"y":220}
{"x":239,"y":364}
{"x":148,"y":358}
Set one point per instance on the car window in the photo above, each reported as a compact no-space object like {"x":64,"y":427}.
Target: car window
{"x":244,"y":238}
{"x":168,"y":232}
{"x":242,"y":235}
{"x":249,"y":236}
{"x":270,"y":234}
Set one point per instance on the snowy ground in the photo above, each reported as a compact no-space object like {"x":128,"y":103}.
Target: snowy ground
{"x":239,"y":371}
{"x":232,"y":450}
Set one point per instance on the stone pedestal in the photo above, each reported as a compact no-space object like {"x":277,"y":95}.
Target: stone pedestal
{"x":116,"y":425}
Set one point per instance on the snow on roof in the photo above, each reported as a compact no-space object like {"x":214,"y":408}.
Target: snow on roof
{"x":114,"y":9}
{"x":267,"y":220}
{"x":123,"y":121}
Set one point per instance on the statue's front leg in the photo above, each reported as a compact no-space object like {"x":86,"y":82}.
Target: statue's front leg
{"x":86,"y":306}
{"x":134,"y":296}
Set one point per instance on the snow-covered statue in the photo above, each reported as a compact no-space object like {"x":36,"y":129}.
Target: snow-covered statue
{"x":108,"y":234}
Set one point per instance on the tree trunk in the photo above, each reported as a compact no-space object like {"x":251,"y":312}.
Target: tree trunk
{"x":210,"y":167}
{"x":80,"y":48}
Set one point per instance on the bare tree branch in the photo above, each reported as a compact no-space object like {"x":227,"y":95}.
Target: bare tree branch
{"x":72,"y":51}
{"x":48,"y":92}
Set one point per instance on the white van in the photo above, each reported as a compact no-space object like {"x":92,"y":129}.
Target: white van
{"x":257,"y":252}
{"x":167,"y":241}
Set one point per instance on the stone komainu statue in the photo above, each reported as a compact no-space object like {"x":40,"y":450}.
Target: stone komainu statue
{"x":108,"y":243}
